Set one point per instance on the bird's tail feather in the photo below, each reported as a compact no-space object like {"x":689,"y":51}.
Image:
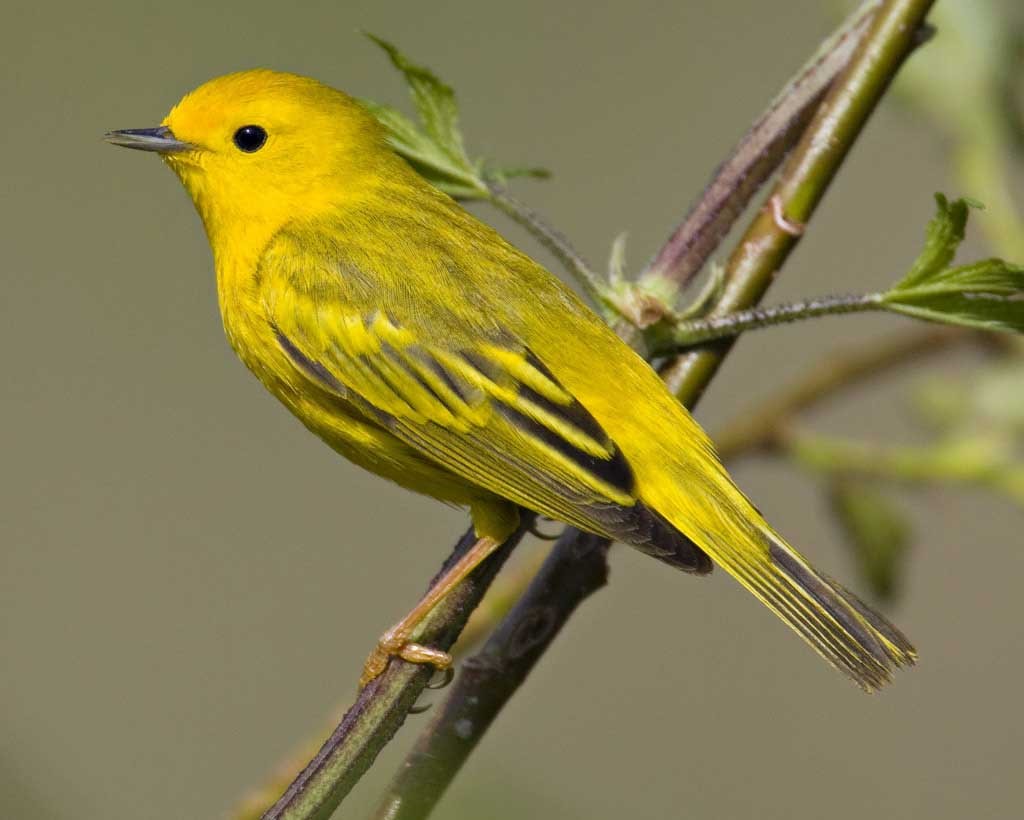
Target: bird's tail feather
{"x":839,"y":626}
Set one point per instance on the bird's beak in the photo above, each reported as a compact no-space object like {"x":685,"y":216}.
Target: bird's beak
{"x":158,"y":139}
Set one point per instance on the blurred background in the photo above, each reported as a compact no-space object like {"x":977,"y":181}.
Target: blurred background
{"x":176,"y":549}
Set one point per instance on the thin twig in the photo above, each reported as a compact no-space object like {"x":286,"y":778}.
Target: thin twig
{"x":574,"y":570}
{"x":980,"y":460}
{"x":381,"y":708}
{"x":760,"y":255}
{"x":501,"y":598}
{"x":805,"y":178}
{"x":760,"y":429}
{"x":672,"y":337}
{"x":755,"y":158}
{"x":552,"y":239}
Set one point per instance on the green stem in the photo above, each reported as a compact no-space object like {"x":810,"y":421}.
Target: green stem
{"x":764,"y":426}
{"x":979,"y":461}
{"x":766,"y":245}
{"x":666,"y":338}
{"x":575,"y":568}
{"x":555,"y":241}
{"x":381,"y":708}
{"x":754,"y":159}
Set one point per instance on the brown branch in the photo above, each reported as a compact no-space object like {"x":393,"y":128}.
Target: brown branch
{"x":756,"y":157}
{"x":381,"y":708}
{"x":575,"y":569}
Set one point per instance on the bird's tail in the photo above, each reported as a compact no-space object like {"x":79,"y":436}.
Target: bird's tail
{"x":844,"y":630}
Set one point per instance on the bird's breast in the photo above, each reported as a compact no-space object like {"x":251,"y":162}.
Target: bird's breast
{"x":250,"y":333}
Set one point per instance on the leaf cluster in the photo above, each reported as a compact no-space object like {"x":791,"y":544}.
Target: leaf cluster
{"x":987,"y":294}
{"x":434,"y":145}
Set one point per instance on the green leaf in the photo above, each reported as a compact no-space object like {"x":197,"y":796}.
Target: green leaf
{"x":876,"y":531}
{"x":434,"y":147}
{"x":435,"y":103}
{"x":425,"y":155}
{"x":709,"y":294}
{"x":944,"y":235}
{"x":402,"y":132}
{"x":987,"y":295}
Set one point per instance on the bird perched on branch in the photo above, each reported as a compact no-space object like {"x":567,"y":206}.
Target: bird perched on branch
{"x":419,"y":344}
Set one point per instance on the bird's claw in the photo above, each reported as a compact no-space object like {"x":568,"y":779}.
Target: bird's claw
{"x":537,"y":532}
{"x":396,"y":645}
{"x":447,"y":676}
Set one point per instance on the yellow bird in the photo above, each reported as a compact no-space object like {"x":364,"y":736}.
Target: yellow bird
{"x":419,"y":344}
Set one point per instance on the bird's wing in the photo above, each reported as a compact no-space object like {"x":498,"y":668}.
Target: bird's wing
{"x":492,"y":414}
{"x":471,"y":396}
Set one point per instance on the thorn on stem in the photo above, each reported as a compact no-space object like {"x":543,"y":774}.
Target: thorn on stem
{"x":781,"y":222}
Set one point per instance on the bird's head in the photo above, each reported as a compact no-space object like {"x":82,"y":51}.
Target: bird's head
{"x":260,"y":147}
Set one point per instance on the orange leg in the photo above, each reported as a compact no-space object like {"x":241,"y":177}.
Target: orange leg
{"x":395,"y":642}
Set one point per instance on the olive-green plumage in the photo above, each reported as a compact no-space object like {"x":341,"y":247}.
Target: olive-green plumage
{"x":419,"y":344}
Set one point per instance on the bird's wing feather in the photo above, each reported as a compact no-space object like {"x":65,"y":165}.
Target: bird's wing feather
{"x":533,"y":412}
{"x":492,"y":413}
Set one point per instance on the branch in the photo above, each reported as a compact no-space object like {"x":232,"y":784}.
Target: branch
{"x":754,"y":159}
{"x":555,"y":241}
{"x":472,"y":706}
{"x":676,"y":336}
{"x":979,"y":460}
{"x":575,"y":569}
{"x":762,"y":428}
{"x":381,"y":708}
{"x":822,"y":150}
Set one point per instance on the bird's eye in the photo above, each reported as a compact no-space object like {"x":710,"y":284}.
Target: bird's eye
{"x":250,"y":138}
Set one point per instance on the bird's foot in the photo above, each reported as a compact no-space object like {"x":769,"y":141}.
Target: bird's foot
{"x":395,"y":644}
